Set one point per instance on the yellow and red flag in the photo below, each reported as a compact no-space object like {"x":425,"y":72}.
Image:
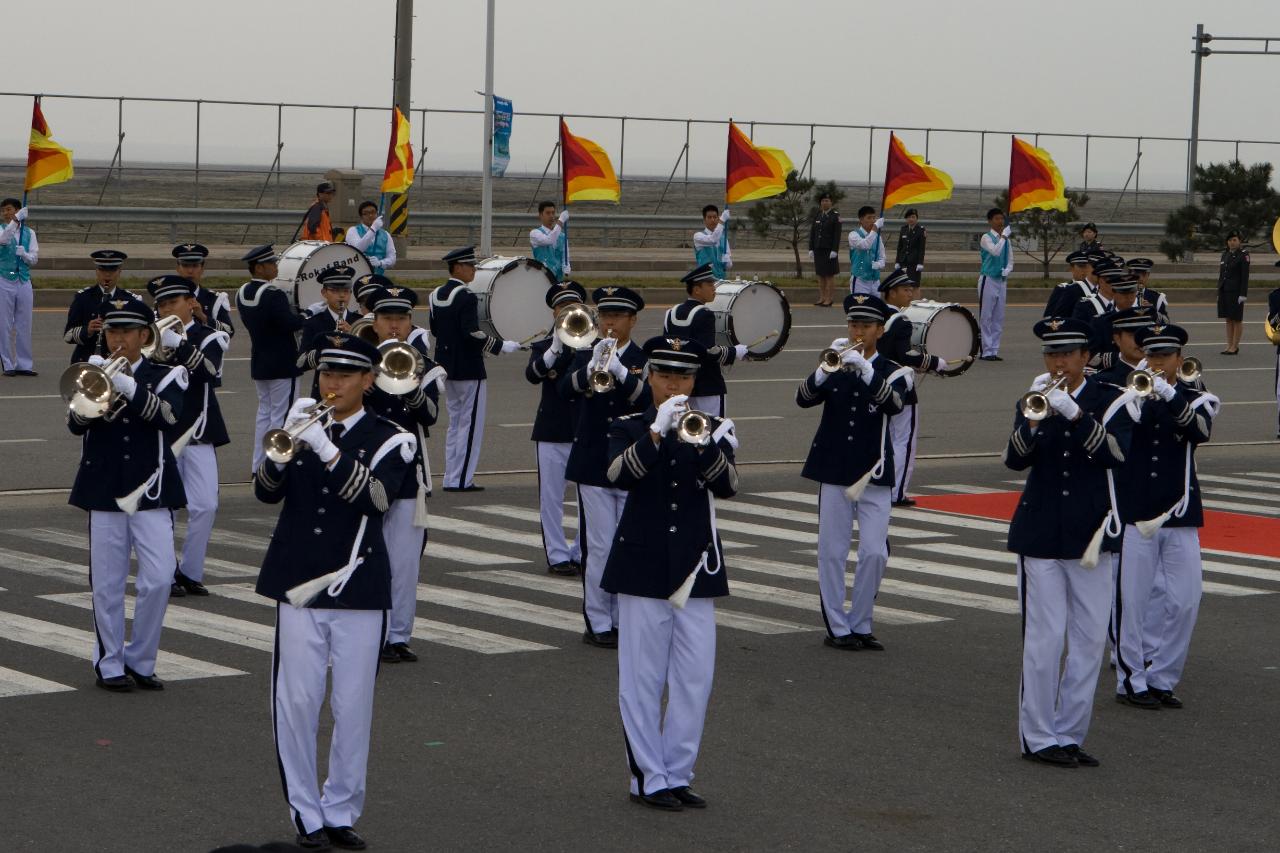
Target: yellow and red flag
{"x":586,"y":173}
{"x":753,"y":171}
{"x":908,"y":179}
{"x":1034,"y":180}
{"x":47,"y":161}
{"x":399,"y":174}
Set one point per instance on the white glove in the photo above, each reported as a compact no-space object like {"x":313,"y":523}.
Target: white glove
{"x":820,"y":376}
{"x":865,"y":371}
{"x":724,"y":217}
{"x":897,"y":267}
{"x":124,"y":384}
{"x":21,"y":215}
{"x":1008,"y":229}
{"x":1004,"y":273}
{"x":170,"y":339}
{"x":833,"y":255}
{"x":376,"y":225}
{"x":811,"y":254}
{"x":919,"y":267}
{"x":618,"y":369}
{"x":510,"y":347}
{"x":1163,"y":389}
{"x":598,"y":351}
{"x":1063,"y":404}
{"x":727,"y":261}
{"x":1041,"y":382}
{"x":375,"y":263}
{"x":667,"y":414}
{"x":298,"y":411}
{"x":557,"y":345}
{"x":437,"y":375}
{"x":1243,"y":299}
{"x":942,"y":364}
{"x":567,"y":269}
{"x":879,"y":224}
{"x":740,"y":351}
{"x":564,"y":216}
{"x":854,"y":359}
{"x":317,"y":439}
{"x":97,"y":360}
{"x":839,"y":343}
{"x":26,"y":258}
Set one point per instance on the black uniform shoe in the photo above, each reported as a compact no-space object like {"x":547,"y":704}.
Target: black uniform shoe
{"x":144,"y":682}
{"x":11,"y":373}
{"x":116,"y":683}
{"x":317,"y":840}
{"x":1082,"y":758}
{"x":869,"y":642}
{"x":604,"y":640}
{"x":404,"y":653}
{"x":1142,"y":700}
{"x":189,"y":586}
{"x":27,"y":373}
{"x":1165,"y":697}
{"x":990,"y":358}
{"x":847,"y":642}
{"x":663,"y":799}
{"x":905,"y":502}
{"x":1054,"y":756}
{"x":688,"y":798}
{"x":344,"y":837}
{"x":388,"y":654}
{"x":564,"y":569}
{"x":577,"y":565}
{"x":472,"y":488}
{"x":176,"y":590}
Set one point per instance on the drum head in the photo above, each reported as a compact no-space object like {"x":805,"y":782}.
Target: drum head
{"x":303,"y":261}
{"x":952,"y":335}
{"x":756,"y":309}
{"x":512,"y":294}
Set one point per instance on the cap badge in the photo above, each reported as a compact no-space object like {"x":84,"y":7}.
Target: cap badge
{"x":1157,"y":329}
{"x":119,"y":303}
{"x":676,"y":344}
{"x":860,"y":298}
{"x":1055,"y":325}
{"x":395,"y":291}
{"x":337,"y":340}
{"x":609,"y":291}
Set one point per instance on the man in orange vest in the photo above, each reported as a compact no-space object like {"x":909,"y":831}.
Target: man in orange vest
{"x":316,"y":224}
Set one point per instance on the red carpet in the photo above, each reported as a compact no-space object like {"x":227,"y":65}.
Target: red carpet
{"x":1224,"y":531}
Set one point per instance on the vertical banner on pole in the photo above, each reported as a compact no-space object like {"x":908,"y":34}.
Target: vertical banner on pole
{"x":501,"y":136}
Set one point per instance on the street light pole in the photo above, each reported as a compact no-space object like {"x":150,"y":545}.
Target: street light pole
{"x":1193,"y":142}
{"x":403,"y":72}
{"x":486,"y":184}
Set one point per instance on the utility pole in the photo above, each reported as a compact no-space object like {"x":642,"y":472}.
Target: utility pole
{"x":403,"y":73}
{"x":486,"y":185}
{"x":1193,"y":142}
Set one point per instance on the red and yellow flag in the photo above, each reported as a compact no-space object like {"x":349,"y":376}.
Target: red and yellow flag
{"x":908,"y":179}
{"x":47,"y":161}
{"x":399,"y":174}
{"x":586,"y":173}
{"x":752,"y":171}
{"x":1034,"y":180}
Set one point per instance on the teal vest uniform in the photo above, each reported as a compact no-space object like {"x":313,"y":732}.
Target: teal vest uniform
{"x":993,"y":265}
{"x":861,"y":260}
{"x":713,"y":255}
{"x":552,"y":257}
{"x":378,"y":248}
{"x":11,"y":266}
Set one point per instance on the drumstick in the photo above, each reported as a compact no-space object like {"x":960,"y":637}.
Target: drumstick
{"x":757,"y":343}
{"x":525,"y":343}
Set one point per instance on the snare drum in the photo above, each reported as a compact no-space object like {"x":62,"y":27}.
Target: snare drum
{"x":303,"y":261}
{"x":747,"y":311}
{"x":512,"y":294}
{"x":944,"y":329}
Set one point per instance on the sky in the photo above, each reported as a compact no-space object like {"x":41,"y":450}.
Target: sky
{"x":1122,"y":67}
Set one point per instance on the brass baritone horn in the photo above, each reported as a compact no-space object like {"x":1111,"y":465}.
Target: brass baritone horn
{"x":1190,"y":370}
{"x":400,"y":367}
{"x":578,"y":327}
{"x":281,"y":445}
{"x":363,"y":329}
{"x":155,"y":350}
{"x":1037,"y":402}
{"x":829,"y":361}
{"x":87,"y":389}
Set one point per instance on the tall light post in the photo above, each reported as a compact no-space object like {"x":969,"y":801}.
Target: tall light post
{"x":486,"y":185}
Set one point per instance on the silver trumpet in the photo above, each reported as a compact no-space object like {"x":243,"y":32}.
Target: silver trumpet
{"x":693,"y":426}
{"x":281,"y":445}
{"x":153,"y":348}
{"x":87,"y":389}
{"x":1190,"y":370}
{"x":578,"y":327}
{"x":1037,"y":402}
{"x":829,"y":361}
{"x":602,"y":381}
{"x":400,"y":367}
{"x":1142,"y":382}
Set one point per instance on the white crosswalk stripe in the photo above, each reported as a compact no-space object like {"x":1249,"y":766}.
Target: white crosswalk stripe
{"x":14,"y":683}
{"x":927,"y":516}
{"x":1232,"y":506}
{"x":456,"y":554}
{"x":963,"y":489}
{"x":506,"y":608}
{"x":810,"y":518}
{"x":80,"y":542}
{"x":45,"y":567}
{"x":213,"y":626}
{"x":1237,"y":481}
{"x":521,"y":514}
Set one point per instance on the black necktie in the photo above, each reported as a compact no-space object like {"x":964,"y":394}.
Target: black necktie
{"x":335,"y":432}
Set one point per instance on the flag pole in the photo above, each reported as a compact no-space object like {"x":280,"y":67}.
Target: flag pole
{"x":564,"y":194}
{"x":884,"y":193}
{"x":486,"y":186}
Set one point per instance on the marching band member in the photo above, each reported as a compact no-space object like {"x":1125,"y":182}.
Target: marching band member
{"x":365,"y":285}
{"x":460,"y":349}
{"x":1124,"y":326}
{"x":852,"y":460}
{"x":666,"y":538}
{"x":692,"y":319}
{"x":1064,"y":297}
{"x":123,"y":450}
{"x":1071,"y":444}
{"x":911,"y":243}
{"x":899,"y":291}
{"x":368,"y":235}
{"x":1233,"y":290}
{"x":19,"y":252}
{"x":212,"y":309}
{"x":84,"y":324}
{"x":199,"y":430}
{"x":335,"y":492}
{"x":711,"y":244}
{"x":273,"y":348}
{"x":329,"y":315}
{"x":414,"y":410}
{"x":1158,"y":569}
{"x":997,"y":263}
{"x":1099,"y":311}
{"x":1141,"y":268}
{"x":553,"y":426}
{"x":315,"y":222}
{"x":824,"y":249}
{"x":866,"y":252}
{"x":623,"y":393}
{"x":549,"y":243}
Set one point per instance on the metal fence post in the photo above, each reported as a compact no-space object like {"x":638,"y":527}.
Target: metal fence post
{"x":687,"y":123}
{"x":982,"y":162}
{"x":622,"y":151}
{"x":1086,"y":162}
{"x":1137,"y":174}
{"x":280,"y":163}
{"x":354,"y":110}
{"x":926,"y":145}
{"x":871,"y":137}
{"x":195,"y":229}
{"x":811,"y":143}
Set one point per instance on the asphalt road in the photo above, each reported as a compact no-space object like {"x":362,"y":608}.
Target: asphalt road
{"x":967,"y":414}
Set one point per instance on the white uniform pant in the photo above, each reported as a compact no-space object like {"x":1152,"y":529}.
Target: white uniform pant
{"x":712,"y":404}
{"x":991,"y":299}
{"x":15,"y":321}
{"x":661,"y":646}
{"x":404,"y":552}
{"x":275,"y":396}
{"x":870,"y":286}
{"x":111,"y":535}
{"x":466,"y":400}
{"x":198,"y":467}
{"x":1062,"y":602}
{"x":601,"y":512}
{"x":835,"y":530}
{"x":309,"y":642}
{"x":553,"y":456}
{"x":903,"y":428}
{"x":1171,"y":603}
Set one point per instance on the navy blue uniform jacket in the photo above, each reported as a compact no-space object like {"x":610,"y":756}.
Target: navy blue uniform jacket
{"x":557,"y":415}
{"x":589,"y":458}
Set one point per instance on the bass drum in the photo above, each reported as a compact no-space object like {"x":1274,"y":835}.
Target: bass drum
{"x":944,"y":329}
{"x":754,"y":313}
{"x":303,"y":261}
{"x":512,"y":294}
